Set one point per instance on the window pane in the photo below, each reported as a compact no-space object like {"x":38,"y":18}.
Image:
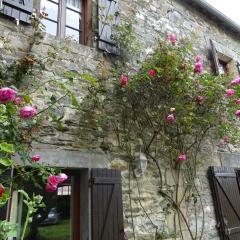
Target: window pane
{"x":51,"y":27}
{"x":74,"y":3}
{"x":73,"y":19}
{"x":72,"y":34}
{"x":50,"y":8}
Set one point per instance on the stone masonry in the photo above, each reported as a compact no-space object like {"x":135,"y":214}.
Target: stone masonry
{"x":79,"y":145}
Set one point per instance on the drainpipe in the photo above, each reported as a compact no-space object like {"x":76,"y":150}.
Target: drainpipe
{"x":1,"y":4}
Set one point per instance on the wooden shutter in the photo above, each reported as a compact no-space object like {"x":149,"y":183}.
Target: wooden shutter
{"x":238,"y":67}
{"x":215,"y":57}
{"x":107,"y":210}
{"x":107,"y":19}
{"x":19,"y":9}
{"x":226,"y":196}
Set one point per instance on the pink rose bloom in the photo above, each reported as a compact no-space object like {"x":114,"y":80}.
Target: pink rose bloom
{"x":182,"y":157}
{"x":200,"y":99}
{"x":50,"y":188}
{"x":28,"y":112}
{"x":18,"y":100}
{"x":230,"y":92}
{"x":237,"y":113}
{"x":124,"y":80}
{"x":170,"y":118}
{"x":235,"y":82}
{"x":36,"y":158}
{"x":198,"y":68}
{"x":238,"y":101}
{"x":198,"y":58}
{"x":61,"y":177}
{"x":226,"y":139}
{"x":7,"y":95}
{"x":52,"y":179}
{"x":152,"y":72}
{"x":172,"y":38}
{"x":2,"y":190}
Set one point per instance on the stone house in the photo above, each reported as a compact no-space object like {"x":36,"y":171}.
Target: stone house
{"x":79,"y":148}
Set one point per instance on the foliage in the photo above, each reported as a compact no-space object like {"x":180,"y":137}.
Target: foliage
{"x":7,"y":229}
{"x":21,"y":120}
{"x":32,"y":207}
{"x":167,"y":109}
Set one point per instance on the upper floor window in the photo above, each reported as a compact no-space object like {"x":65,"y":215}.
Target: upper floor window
{"x":64,"y":18}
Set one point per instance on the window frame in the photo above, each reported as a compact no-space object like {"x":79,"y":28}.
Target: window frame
{"x":84,"y":28}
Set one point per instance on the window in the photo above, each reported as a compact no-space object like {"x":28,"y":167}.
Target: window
{"x":224,"y":59}
{"x":64,"y":18}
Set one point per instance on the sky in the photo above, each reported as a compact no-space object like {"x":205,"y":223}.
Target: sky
{"x":230,"y":8}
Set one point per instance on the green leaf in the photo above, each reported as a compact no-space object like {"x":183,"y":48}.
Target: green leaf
{"x":27,"y":98}
{"x":7,"y":148}
{"x":89,"y":78}
{"x":75,"y":102}
{"x":5,"y":162}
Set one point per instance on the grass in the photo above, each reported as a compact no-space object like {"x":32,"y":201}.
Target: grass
{"x":59,"y":231}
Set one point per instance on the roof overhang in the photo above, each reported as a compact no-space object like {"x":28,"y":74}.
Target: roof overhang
{"x":207,"y":8}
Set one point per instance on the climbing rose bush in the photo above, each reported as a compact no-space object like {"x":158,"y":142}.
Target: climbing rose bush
{"x":173,"y":103}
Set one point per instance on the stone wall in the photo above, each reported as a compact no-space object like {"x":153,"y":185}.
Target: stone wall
{"x":80,"y":143}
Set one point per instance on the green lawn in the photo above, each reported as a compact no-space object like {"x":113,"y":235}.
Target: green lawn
{"x":59,"y":231}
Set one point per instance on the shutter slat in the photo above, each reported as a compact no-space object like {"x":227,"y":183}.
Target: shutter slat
{"x":107,"y":213}
{"x":226,"y":196}
{"x":18,"y":9}
{"x":215,"y":57}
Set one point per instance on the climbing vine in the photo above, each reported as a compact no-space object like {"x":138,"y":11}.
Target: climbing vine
{"x":164,"y":112}
{"x":21,"y":121}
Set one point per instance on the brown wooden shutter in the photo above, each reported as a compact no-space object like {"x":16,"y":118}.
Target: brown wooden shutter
{"x":215,"y":57}
{"x":226,"y":196}
{"x":107,"y":210}
{"x":108,"y":18}
{"x":19,"y":9}
{"x":238,"y":67}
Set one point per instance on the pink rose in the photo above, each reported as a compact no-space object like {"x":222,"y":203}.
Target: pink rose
{"x":237,"y":113}
{"x":18,"y":100}
{"x":170,"y":118}
{"x":200,"y":99}
{"x":198,"y":67}
{"x":7,"y":95}
{"x":152,"y":72}
{"x":182,"y":157}
{"x":50,"y":188}
{"x":172,"y":38}
{"x":124,"y":80}
{"x":28,"y":112}
{"x":2,"y":190}
{"x":36,"y":158}
{"x":230,"y":92}
{"x":238,"y":101}
{"x":226,"y":139}
{"x":235,"y":82}
{"x":198,"y":58}
{"x":61,"y":177}
{"x":52,"y":179}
